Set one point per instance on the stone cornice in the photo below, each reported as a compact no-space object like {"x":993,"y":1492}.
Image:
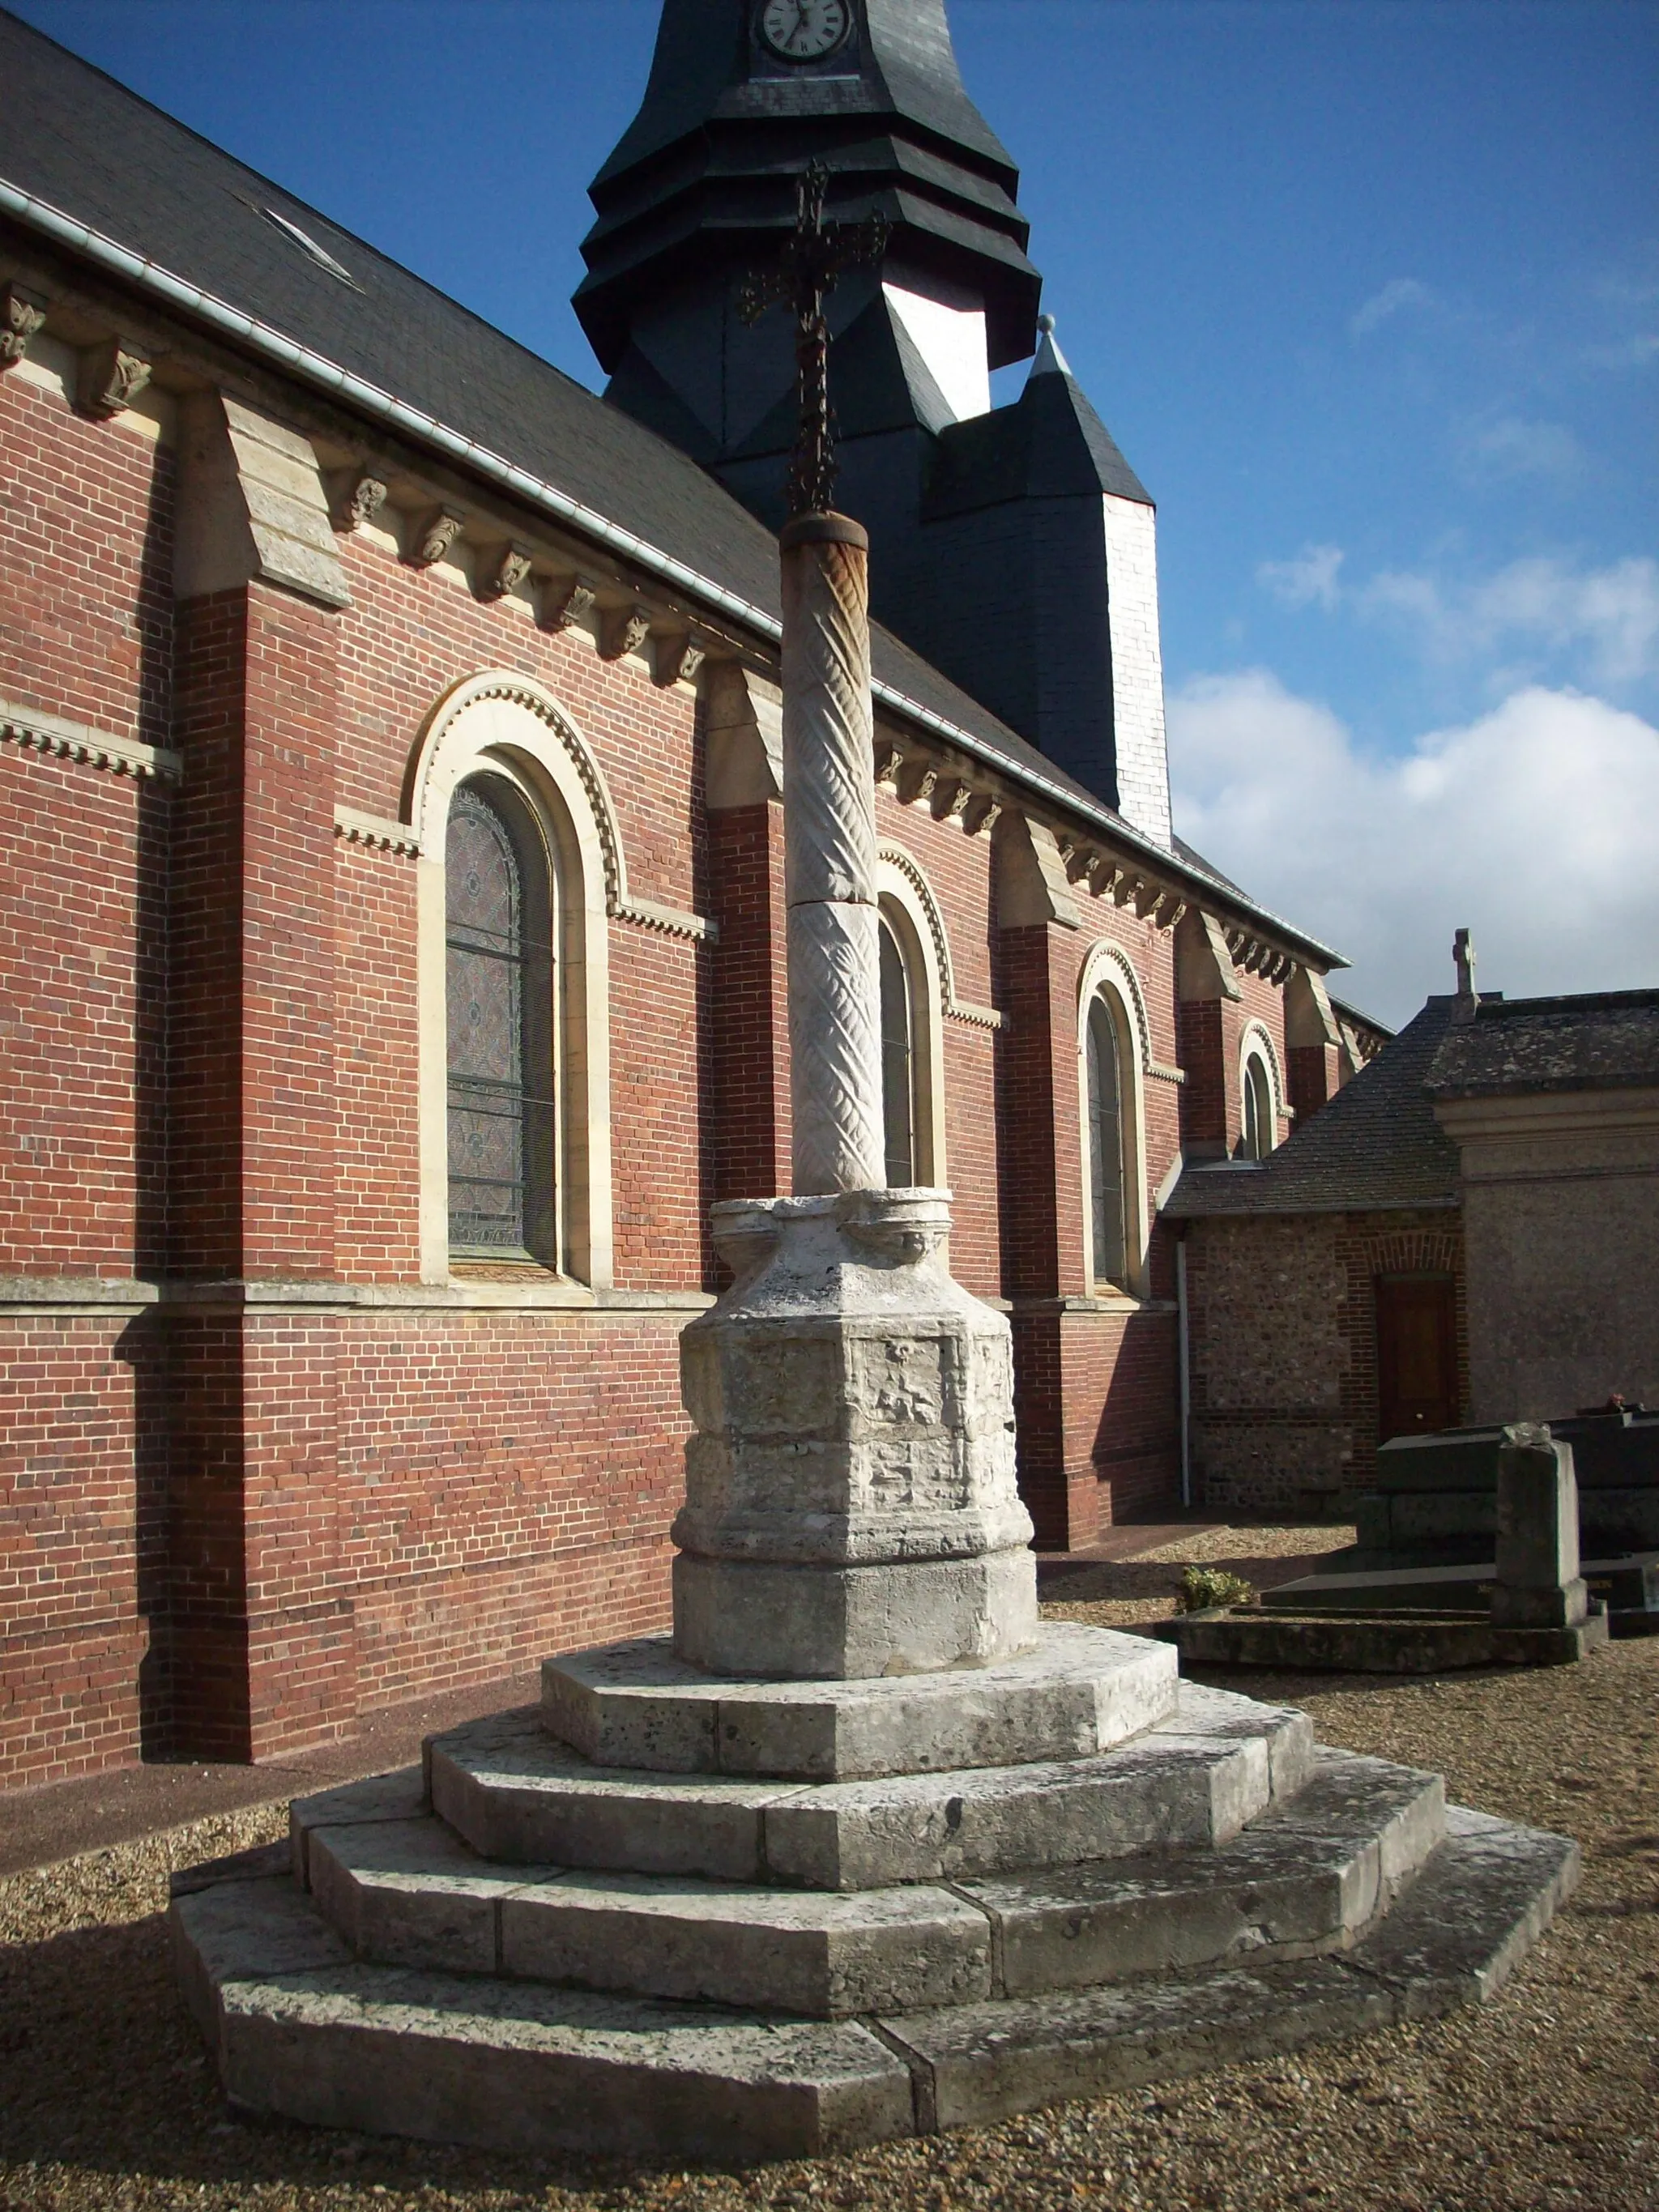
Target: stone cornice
{"x":34,"y":731}
{"x":70,"y":1295}
{"x":377,"y":831}
{"x":670,"y":920}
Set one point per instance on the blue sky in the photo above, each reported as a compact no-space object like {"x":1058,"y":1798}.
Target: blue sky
{"x":1368,"y":294}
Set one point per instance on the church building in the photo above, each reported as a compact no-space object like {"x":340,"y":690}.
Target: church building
{"x":391,"y":957}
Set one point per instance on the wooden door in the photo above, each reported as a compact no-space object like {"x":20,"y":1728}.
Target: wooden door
{"x":1416,"y":1355}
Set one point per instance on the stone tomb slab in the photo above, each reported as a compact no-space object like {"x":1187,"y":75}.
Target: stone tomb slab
{"x":1079,"y":1691}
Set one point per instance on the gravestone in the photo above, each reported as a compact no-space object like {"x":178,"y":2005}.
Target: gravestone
{"x":1538,"y":1582}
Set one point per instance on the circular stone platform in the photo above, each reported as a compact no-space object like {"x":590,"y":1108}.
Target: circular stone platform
{"x":1078,"y":1692}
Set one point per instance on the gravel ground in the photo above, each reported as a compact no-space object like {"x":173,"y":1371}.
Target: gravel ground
{"x":1549,"y":2098}
{"x":1128,"y":1593}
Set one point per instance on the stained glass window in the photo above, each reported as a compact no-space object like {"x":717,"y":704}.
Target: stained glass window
{"x":1106,"y":1144}
{"x":898,"y":1087}
{"x":500,"y":1069}
{"x":1258,"y":1111}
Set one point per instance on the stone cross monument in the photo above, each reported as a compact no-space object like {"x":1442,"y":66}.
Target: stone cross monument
{"x":851,"y":1509}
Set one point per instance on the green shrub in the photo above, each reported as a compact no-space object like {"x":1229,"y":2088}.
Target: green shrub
{"x":1204,"y":1586}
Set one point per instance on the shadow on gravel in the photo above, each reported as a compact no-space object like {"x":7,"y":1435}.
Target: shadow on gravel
{"x":101,"y":2071}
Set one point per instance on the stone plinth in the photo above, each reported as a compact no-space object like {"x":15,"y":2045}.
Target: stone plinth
{"x":1078,"y":1692}
{"x":1539,"y":1585}
{"x":851,"y":1508}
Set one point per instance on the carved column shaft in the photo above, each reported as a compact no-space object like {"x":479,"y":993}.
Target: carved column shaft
{"x":829,"y":833}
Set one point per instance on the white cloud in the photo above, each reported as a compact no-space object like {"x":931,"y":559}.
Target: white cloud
{"x":1310,"y":578}
{"x":1607,"y":618}
{"x":1636,"y":351}
{"x":1533,"y":824}
{"x":1512,"y":448}
{"x":1400,"y":292}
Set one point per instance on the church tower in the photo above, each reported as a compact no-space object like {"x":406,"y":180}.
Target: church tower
{"x":1013,"y":547}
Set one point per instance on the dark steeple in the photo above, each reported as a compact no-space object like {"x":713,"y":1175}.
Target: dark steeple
{"x":703,"y":181}
{"x":1012,"y":546}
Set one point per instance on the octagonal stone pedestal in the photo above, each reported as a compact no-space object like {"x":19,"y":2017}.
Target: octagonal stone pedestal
{"x":851,"y":1508}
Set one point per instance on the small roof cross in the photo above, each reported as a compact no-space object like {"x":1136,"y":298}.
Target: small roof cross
{"x":813,"y":256}
{"x":1463,"y":960}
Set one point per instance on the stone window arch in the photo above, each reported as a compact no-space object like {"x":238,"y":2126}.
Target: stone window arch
{"x":916,"y":987}
{"x":1112,"y":1050}
{"x":499,"y":749}
{"x":1260,"y":1093}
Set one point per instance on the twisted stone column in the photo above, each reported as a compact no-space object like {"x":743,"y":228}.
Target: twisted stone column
{"x":850,"y":1501}
{"x":829,"y":860}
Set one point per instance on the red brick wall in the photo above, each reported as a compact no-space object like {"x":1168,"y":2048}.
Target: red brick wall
{"x":72,"y":1639}
{"x":750,"y":1005}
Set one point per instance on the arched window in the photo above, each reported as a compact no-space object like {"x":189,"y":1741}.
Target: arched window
{"x":500,"y":998}
{"x":1106,"y":1146}
{"x":898,"y":1062}
{"x":1258,"y":1104}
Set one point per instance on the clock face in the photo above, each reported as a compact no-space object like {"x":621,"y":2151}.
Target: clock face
{"x":805,"y":30}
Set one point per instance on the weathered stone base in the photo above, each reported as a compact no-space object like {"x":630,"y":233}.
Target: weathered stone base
{"x":300,"y":2028}
{"x":902,"y":1618}
{"x":522,"y":1947}
{"x":1397,"y":1642}
{"x":1076,"y":1692}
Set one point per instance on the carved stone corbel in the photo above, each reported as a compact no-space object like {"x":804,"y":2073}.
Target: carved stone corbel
{"x":979,"y":813}
{"x":1126,"y":889}
{"x":1081,"y":861}
{"x":675,"y":657}
{"x":915,"y":780}
{"x":1149,"y":897}
{"x":109,"y":378}
{"x":435,"y":538}
{"x":889,"y":756}
{"x":949,"y":799}
{"x":505,"y":574}
{"x":622,"y":631}
{"x":22,"y":314}
{"x":565,"y":601}
{"x":1104,"y":875}
{"x":358,"y":499}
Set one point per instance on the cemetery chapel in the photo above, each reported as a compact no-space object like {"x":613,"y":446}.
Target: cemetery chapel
{"x":393,"y":955}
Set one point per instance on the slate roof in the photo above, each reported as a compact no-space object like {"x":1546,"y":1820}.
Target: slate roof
{"x":1600,"y":1041}
{"x":91,"y":150}
{"x":1375,"y":1145}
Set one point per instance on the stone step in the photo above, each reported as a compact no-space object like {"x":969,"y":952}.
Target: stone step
{"x":1307,"y":1878}
{"x":409,"y":1894}
{"x":300,"y":2029}
{"x":1078,"y":1691}
{"x":514,"y":1795}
